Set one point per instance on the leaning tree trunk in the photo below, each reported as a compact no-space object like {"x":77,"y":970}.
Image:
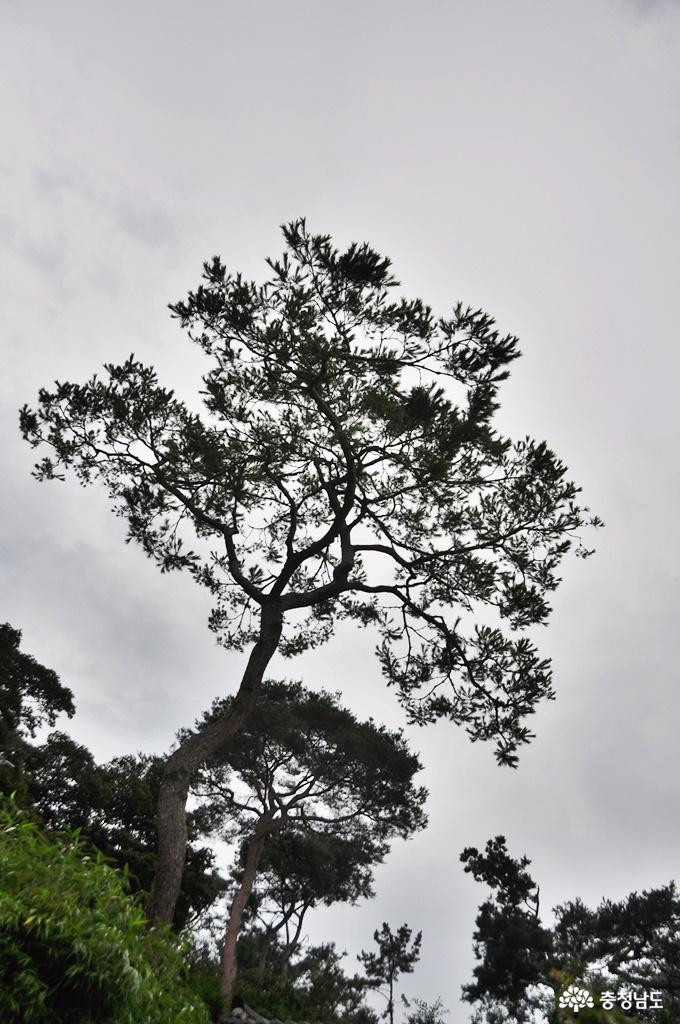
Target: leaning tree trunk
{"x":228,"y":976}
{"x":189,"y":756}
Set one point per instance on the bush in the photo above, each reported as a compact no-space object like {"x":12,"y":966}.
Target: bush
{"x":74,"y":945}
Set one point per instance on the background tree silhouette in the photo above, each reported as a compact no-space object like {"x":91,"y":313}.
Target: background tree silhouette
{"x":510,"y":943}
{"x":396,"y":955}
{"x":524,"y":965}
{"x":30,"y":694}
{"x":345,"y":466}
{"x":112,"y":805}
{"x":303,"y":763}
{"x":300,"y":870}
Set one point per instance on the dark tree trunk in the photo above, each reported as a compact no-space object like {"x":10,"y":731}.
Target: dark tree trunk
{"x":264,"y":952}
{"x":228,"y":976}
{"x":189,"y":756}
{"x":291,"y":944}
{"x":269,"y":937}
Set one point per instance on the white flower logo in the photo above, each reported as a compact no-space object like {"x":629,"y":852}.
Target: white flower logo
{"x":575,"y":998}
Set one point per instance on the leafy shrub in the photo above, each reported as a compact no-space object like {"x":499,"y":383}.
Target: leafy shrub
{"x":203,"y":973}
{"x":74,"y":945}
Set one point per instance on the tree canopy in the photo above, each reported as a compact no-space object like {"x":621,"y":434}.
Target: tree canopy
{"x":630,"y":945}
{"x":302,"y":869}
{"x":305,"y":765}
{"x":303,"y":760}
{"x":396,"y":954}
{"x":30,"y":694}
{"x":112,"y":805}
{"x":344,"y":465}
{"x":346,"y":451}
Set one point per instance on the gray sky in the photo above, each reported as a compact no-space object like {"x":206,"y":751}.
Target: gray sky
{"x":524,"y":157}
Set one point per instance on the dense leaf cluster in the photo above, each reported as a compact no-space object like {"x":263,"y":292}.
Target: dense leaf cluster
{"x":300,"y":870}
{"x":74,"y":945}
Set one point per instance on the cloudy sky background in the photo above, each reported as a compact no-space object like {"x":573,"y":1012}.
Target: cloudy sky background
{"x":523,"y":157}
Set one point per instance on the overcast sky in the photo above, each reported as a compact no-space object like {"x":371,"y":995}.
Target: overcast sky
{"x":523,"y":157}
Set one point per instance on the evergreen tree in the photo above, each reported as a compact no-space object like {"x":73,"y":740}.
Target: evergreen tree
{"x":113,"y":805}
{"x":524,"y":966}
{"x":300,"y":870}
{"x":394,"y":957}
{"x":304,"y":765}
{"x":345,"y":466}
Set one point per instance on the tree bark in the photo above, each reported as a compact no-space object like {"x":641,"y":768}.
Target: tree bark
{"x":189,"y":756}
{"x":228,"y":975}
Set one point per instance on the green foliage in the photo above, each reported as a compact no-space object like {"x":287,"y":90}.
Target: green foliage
{"x":345,"y":465}
{"x":394,"y":955}
{"x":315,"y":987}
{"x":74,"y":945}
{"x":512,"y":947}
{"x":304,"y":761}
{"x":30,"y":694}
{"x":316,"y":793}
{"x":299,"y":870}
{"x":523,"y":966}
{"x":203,"y":974}
{"x":112,"y":805}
